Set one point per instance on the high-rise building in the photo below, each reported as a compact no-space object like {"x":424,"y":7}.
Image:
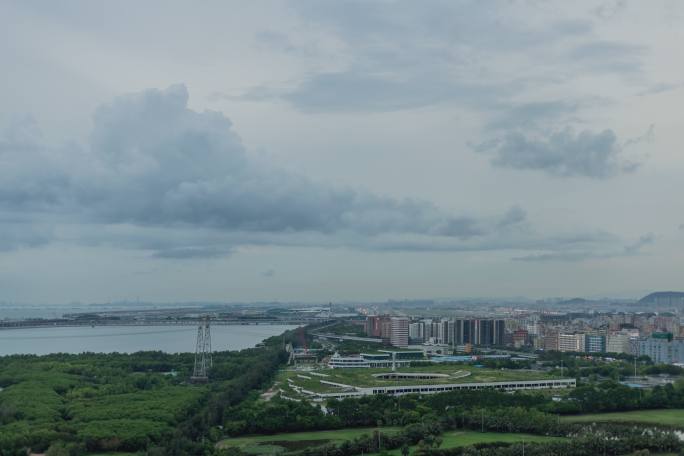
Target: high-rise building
{"x":373,"y":325}
{"x":499,"y":332}
{"x":445,"y":336}
{"x":399,"y":335}
{"x":417,"y":331}
{"x":595,"y":343}
{"x":451,"y":333}
{"x":386,"y":329}
{"x":379,"y":326}
{"x":459,"y":332}
{"x":427,"y":329}
{"x":476,"y":332}
{"x":486,"y":332}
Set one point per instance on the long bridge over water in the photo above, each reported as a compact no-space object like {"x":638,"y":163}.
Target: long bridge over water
{"x":55,"y":323}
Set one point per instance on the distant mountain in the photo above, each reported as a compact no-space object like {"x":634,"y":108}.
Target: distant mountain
{"x":664,"y":298}
{"x":575,"y":301}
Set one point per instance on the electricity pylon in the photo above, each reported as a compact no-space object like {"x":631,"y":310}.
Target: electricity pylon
{"x":203,"y":360}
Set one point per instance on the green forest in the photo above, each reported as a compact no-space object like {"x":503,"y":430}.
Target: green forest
{"x":143,"y":403}
{"x":77,"y":404}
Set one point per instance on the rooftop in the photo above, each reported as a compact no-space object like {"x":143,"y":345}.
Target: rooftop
{"x":431,"y":375}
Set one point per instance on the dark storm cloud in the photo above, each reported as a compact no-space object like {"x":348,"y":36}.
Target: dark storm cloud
{"x":22,"y":152}
{"x":160,"y":177}
{"x":163,"y":164}
{"x":564,"y":153}
{"x":152,"y":162}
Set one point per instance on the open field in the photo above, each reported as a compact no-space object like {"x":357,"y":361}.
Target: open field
{"x":365,"y":378}
{"x":455,"y":439}
{"x":671,"y":417}
{"x":280,"y":443}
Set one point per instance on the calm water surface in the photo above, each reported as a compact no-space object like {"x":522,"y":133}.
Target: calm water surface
{"x":129,"y":339}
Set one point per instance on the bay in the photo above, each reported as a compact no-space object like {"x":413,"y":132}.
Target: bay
{"x":129,"y":339}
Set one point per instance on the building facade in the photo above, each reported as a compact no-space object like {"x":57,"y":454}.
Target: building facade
{"x":399,"y":334}
{"x":595,"y":343}
{"x":662,"y":349}
{"x":571,"y":342}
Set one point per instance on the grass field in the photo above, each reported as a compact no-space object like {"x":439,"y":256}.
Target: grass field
{"x":364,"y":377}
{"x":455,"y":439}
{"x":278,"y":444}
{"x":672,"y":417}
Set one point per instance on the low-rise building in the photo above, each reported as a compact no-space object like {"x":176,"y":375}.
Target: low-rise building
{"x":617,"y":343}
{"x":571,"y":342}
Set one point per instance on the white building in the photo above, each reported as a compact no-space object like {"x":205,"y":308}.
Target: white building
{"x":339,"y":361}
{"x":400,"y":332}
{"x":571,"y":342}
{"x":355,"y":391}
{"x":662,"y":350}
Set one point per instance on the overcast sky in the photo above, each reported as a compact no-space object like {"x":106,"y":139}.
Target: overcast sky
{"x":329,"y":151}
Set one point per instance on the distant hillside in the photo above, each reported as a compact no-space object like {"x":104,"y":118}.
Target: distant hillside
{"x":575,"y":301}
{"x":664,"y":298}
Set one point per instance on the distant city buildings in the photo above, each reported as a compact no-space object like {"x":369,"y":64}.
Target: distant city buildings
{"x":399,"y":331}
{"x":662,"y":348}
{"x":619,"y":333}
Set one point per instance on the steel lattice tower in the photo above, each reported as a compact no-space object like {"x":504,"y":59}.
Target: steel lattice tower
{"x":203,"y":360}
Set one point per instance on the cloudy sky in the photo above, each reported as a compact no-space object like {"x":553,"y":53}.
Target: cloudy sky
{"x":343,"y":150}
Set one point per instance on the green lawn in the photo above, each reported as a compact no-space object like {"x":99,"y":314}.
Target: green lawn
{"x":279,"y":443}
{"x":455,"y":439}
{"x":114,"y":454}
{"x":364,"y":377}
{"x":672,"y":417}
